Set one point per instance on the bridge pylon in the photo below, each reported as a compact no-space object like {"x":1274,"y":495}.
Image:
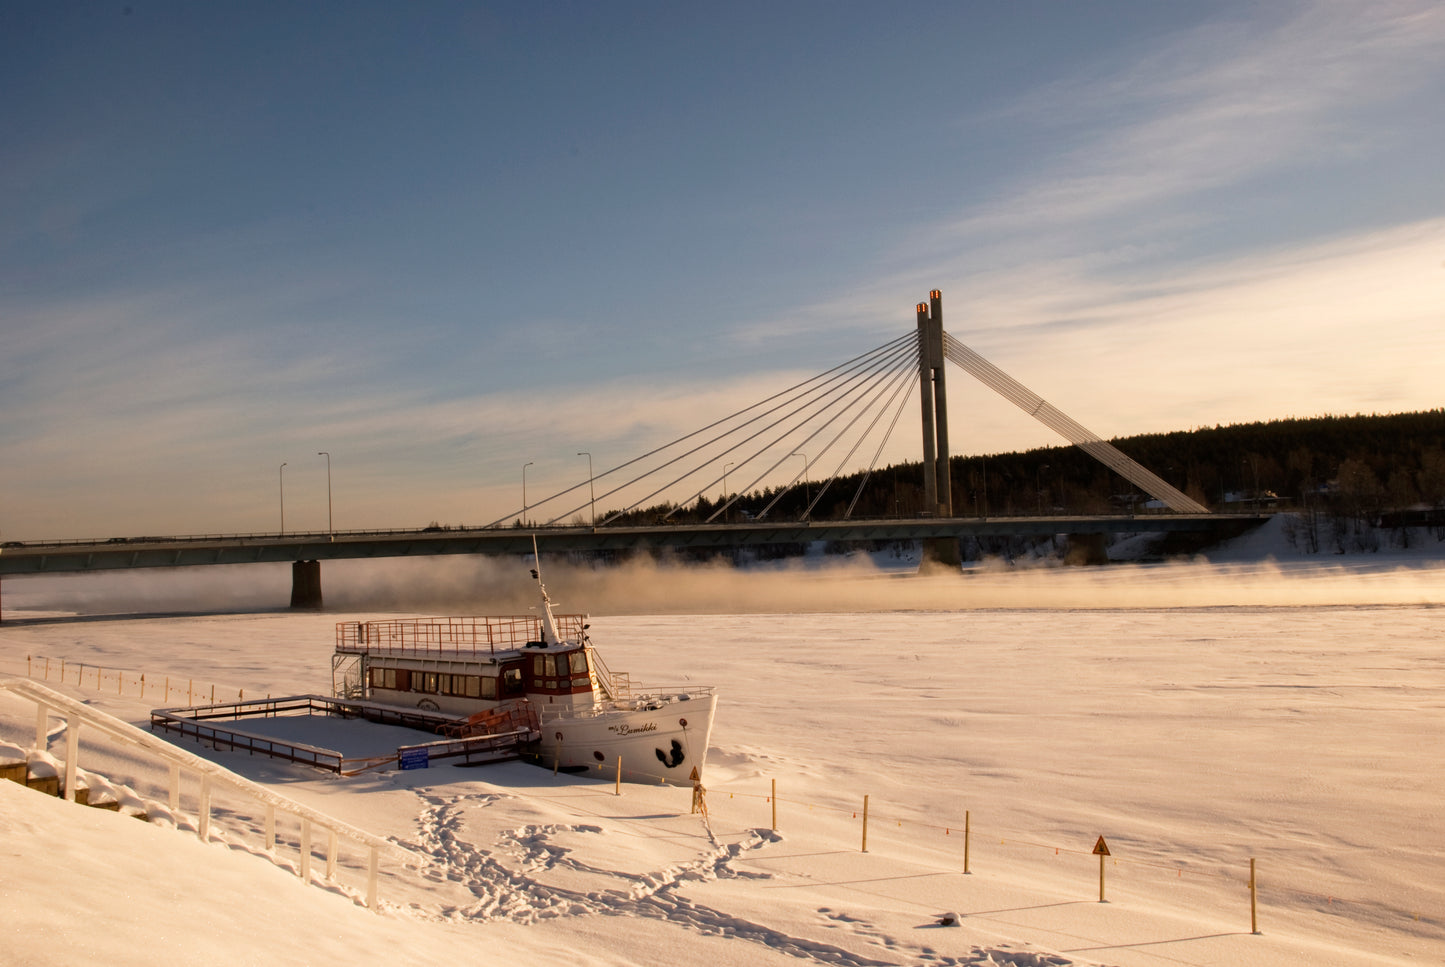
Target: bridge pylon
{"x":937,"y":479}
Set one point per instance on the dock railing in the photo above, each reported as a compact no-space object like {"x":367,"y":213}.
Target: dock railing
{"x":210,"y":776}
{"x":502,"y":738}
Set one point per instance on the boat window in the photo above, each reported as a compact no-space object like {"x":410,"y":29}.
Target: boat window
{"x":578,"y":662}
{"x":429,"y":682}
{"x":489,"y":687}
{"x":512,"y":681}
{"x":473,"y":686}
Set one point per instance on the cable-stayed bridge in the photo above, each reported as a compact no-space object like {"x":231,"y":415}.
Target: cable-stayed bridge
{"x":813,"y":436}
{"x":833,"y":421}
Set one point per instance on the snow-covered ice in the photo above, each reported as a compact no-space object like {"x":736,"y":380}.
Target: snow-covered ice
{"x":1196,"y":715}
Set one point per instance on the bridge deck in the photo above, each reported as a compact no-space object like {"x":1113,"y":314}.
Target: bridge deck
{"x":114,"y":553}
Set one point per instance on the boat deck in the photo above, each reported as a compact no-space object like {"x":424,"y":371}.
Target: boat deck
{"x":200,"y":722}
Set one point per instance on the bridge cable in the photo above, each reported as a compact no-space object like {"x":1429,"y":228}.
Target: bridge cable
{"x":901,"y":356}
{"x":1071,"y":430}
{"x":907,"y":368}
{"x":904,"y":362}
{"x":819,"y":399}
{"x":908,"y":363}
{"x":817,"y":405}
{"x":863,"y":483}
{"x":902,"y":378}
{"x":906,"y":356}
{"x":622,"y":466}
{"x":888,"y":434}
{"x":798,"y":389}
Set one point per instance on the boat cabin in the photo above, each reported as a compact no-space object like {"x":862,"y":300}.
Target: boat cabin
{"x":464,"y":665}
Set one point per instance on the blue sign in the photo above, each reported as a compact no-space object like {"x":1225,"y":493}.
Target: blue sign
{"x":414,"y":758}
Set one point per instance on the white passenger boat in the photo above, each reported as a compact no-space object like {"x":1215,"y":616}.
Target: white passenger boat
{"x":538,"y":671}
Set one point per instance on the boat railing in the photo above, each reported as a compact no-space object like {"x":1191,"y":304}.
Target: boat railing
{"x":449,"y":636}
{"x":654,"y":698}
{"x":614,"y":685}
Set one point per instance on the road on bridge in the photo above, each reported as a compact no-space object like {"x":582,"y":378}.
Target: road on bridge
{"x":140,"y":552}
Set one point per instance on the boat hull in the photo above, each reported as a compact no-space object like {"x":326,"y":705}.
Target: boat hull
{"x":658,"y":740}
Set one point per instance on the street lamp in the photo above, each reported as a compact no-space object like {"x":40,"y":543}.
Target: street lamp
{"x":590,"y":493}
{"x":281,"y":480}
{"x":725,"y":491}
{"x":330,"y":527}
{"x":983,"y":462}
{"x":524,"y":490}
{"x":798,"y":453}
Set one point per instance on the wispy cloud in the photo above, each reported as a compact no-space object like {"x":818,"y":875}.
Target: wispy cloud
{"x":1131,"y":159}
{"x":1219,"y":105}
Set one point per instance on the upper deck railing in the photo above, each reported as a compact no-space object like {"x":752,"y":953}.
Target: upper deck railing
{"x":442,"y":637}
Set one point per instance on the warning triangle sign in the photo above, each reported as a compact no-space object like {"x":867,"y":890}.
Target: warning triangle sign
{"x":1101,"y":848}
{"x":693,"y":777}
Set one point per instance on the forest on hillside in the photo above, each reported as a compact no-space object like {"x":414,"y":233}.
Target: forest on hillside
{"x":1365,"y":469}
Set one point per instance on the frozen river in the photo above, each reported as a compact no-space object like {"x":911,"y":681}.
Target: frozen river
{"x":1301,"y":728}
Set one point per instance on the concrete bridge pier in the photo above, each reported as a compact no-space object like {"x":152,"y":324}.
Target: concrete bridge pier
{"x":306,"y":584}
{"x":1086,"y":549}
{"x":940,"y":555}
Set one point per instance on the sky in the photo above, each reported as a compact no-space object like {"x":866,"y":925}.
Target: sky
{"x":446,"y":242}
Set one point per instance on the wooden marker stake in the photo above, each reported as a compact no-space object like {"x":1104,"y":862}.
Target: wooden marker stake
{"x":965,"y":840}
{"x":1253,"y":898}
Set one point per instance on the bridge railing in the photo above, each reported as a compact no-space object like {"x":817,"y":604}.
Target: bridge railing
{"x":268,"y":536}
{"x":307,"y":537}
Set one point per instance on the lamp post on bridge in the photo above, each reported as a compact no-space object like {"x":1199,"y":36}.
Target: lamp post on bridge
{"x":725,"y":491}
{"x":1253,"y":463}
{"x":330,"y":527}
{"x":590,"y":492}
{"x":799,"y":453}
{"x":524,"y":491}
{"x":983,"y":508}
{"x":281,"y":481}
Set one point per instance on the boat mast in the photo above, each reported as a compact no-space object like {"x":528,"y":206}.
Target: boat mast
{"x":549,"y":625}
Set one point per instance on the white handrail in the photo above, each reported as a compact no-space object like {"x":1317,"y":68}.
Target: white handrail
{"x":74,"y":712}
